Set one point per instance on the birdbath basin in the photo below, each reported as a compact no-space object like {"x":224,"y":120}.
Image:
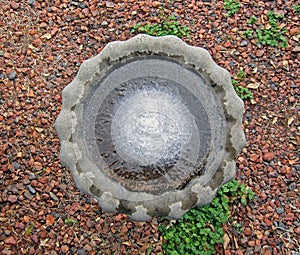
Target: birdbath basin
{"x":150,"y":127}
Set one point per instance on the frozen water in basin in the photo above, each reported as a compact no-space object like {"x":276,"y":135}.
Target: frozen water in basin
{"x":151,"y":127}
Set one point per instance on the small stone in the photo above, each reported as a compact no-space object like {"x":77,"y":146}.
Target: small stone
{"x":31,"y":189}
{"x":253,"y":157}
{"x":244,"y":43}
{"x":12,"y":198}
{"x":82,"y":5}
{"x":156,"y":4}
{"x":279,"y":210}
{"x":296,"y":49}
{"x":53,"y":196}
{"x":109,"y":4}
{"x":269,"y":156}
{"x":259,"y":53}
{"x":64,"y":248}
{"x":28,"y":195}
{"x":14,"y":5}
{"x":104,"y":23}
{"x":81,"y":251}
{"x":31,"y":176}
{"x":251,"y":243}
{"x":290,"y":217}
{"x":12,"y":75}
{"x":10,"y":240}
{"x":292,"y":186}
{"x":20,"y":186}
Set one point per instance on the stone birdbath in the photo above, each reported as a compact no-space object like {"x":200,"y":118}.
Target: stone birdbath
{"x":150,"y":127}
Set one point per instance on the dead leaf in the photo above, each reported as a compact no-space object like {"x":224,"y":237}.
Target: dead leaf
{"x":253,"y":85}
{"x":40,"y":130}
{"x":30,"y":46}
{"x":43,"y":242}
{"x":272,"y":63}
{"x":268,"y":26}
{"x":259,"y":235}
{"x":285,"y":63}
{"x":235,"y":243}
{"x":281,"y":26}
{"x":290,"y":120}
{"x":31,"y":93}
{"x":46,"y":36}
{"x":226,"y":241}
{"x":274,"y":120}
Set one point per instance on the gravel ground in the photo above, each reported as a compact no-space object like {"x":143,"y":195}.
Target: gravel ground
{"x":42,"y":44}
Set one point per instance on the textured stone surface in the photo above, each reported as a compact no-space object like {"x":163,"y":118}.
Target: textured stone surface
{"x":151,"y":127}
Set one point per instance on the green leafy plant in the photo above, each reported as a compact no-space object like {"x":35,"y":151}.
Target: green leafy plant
{"x":201,"y":228}
{"x":243,"y":93}
{"x":241,"y":75}
{"x":296,"y":8}
{"x":232,"y":7}
{"x":168,"y":25}
{"x":272,"y":34}
{"x":252,"y":20}
{"x":29,"y":229}
{"x":248,"y":33}
{"x":70,"y":221}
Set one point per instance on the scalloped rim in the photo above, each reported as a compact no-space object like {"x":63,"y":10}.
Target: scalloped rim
{"x":140,"y":206}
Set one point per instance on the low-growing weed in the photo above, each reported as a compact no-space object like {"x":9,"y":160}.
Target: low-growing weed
{"x":252,"y":20}
{"x":201,"y":228}
{"x":232,"y":7}
{"x":272,"y":34}
{"x":168,"y":25}
{"x":296,"y":8}
{"x":243,"y":93}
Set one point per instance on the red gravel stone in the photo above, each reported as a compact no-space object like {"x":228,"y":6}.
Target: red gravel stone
{"x":10,"y":240}
{"x":268,"y":156}
{"x":45,"y":54}
{"x":12,"y":198}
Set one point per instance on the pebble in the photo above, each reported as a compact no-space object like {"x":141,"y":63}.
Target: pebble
{"x":259,"y":53}
{"x":16,"y":165}
{"x":268,"y":156}
{"x":292,"y":186}
{"x":28,"y":195}
{"x":31,"y":189}
{"x":14,"y":5}
{"x":12,"y":75}
{"x":12,"y":198}
{"x":244,"y":43}
{"x":82,"y":5}
{"x":81,"y":251}
{"x":279,"y":210}
{"x":53,"y":196}
{"x":31,"y":176}
{"x":109,"y":4}
{"x":10,"y":240}
{"x":104,"y":23}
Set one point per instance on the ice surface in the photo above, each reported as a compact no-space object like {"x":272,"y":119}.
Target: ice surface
{"x":151,"y":127}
